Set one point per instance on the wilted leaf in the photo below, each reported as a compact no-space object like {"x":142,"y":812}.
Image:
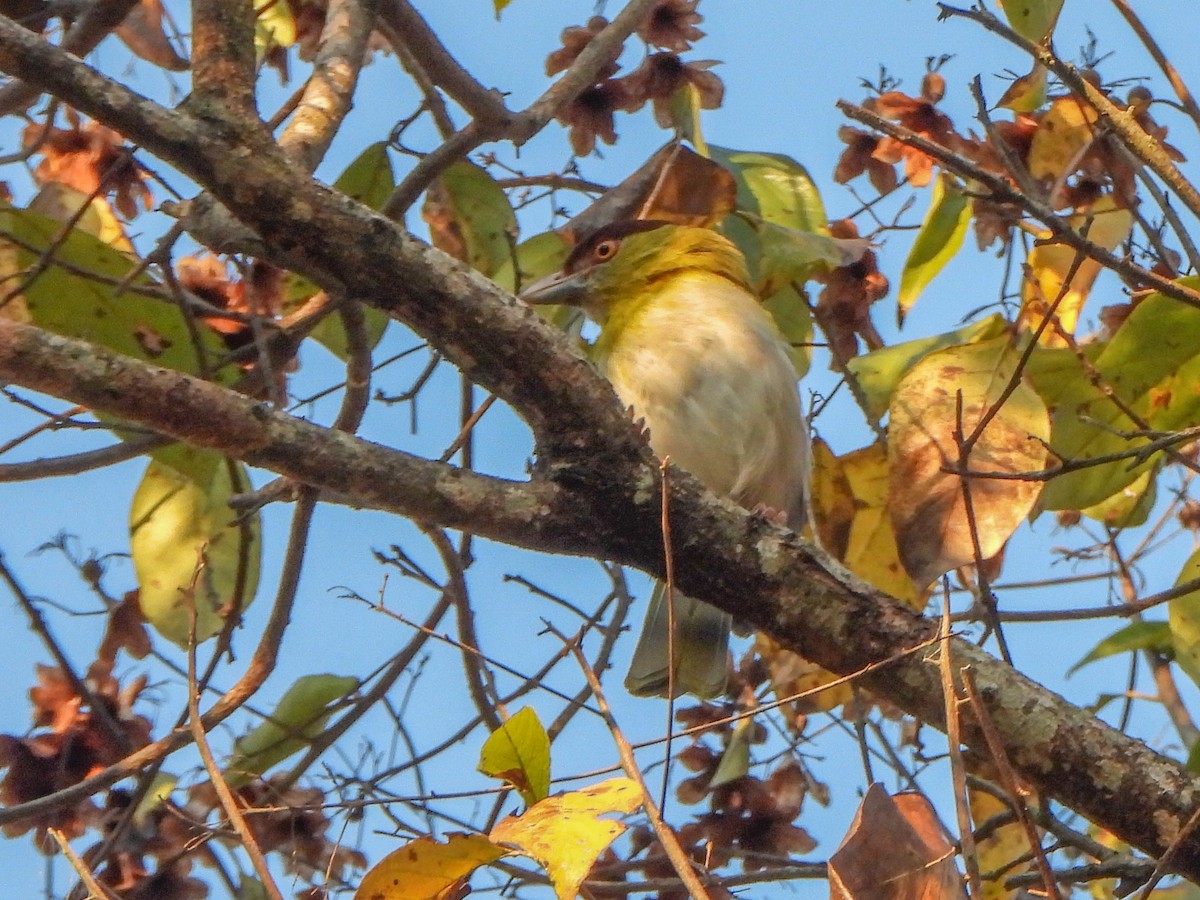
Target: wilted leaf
{"x":470,"y":218}
{"x":519,"y":752}
{"x":1154,"y":636}
{"x":1048,"y":264}
{"x":566,"y":834}
{"x":896,"y":849}
{"x":879,"y":371}
{"x":299,"y":717}
{"x":143,"y":33}
{"x":940,"y":238}
{"x":182,"y":530}
{"x":1033,"y":19}
{"x":676,"y":184}
{"x":925,"y":503}
{"x":1065,"y":130}
{"x":425,"y":869}
{"x":1183,"y":617}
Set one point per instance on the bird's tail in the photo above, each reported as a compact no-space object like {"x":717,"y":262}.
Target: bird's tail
{"x":701,"y":649}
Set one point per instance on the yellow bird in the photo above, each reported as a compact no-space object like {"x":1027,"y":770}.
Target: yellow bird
{"x":686,"y":343}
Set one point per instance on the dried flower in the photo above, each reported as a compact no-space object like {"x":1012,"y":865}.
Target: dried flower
{"x":672,"y":25}
{"x":660,"y":75}
{"x":574,"y":39}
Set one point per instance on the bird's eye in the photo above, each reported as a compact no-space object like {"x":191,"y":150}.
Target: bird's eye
{"x":604,"y":250}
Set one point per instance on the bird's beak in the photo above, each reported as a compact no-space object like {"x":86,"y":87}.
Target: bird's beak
{"x":561,"y":287}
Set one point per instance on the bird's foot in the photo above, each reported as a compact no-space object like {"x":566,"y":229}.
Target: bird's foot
{"x":771,"y":514}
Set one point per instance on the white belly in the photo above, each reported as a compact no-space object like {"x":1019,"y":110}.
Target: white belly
{"x":709,"y":373}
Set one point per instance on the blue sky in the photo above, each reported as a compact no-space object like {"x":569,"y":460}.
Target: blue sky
{"x":784,"y":63}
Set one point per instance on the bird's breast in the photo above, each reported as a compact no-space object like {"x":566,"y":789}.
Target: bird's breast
{"x":706,"y":368}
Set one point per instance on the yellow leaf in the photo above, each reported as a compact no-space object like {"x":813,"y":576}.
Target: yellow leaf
{"x":1065,"y":130}
{"x":566,"y":834}
{"x":184,"y":534}
{"x":1048,"y":264}
{"x":427,"y":870}
{"x":1027,"y":93}
{"x":871,"y":551}
{"x":1002,"y":847}
{"x":519,"y":752}
{"x":925,"y":501}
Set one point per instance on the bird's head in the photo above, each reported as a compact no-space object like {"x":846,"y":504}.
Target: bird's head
{"x":619,"y":264}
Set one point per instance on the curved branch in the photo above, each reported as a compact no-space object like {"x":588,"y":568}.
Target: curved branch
{"x":740,"y":562}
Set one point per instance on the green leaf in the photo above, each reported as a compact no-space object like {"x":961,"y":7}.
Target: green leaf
{"x":1154,"y":636}
{"x":299,"y":717}
{"x":535,"y":258}
{"x":776,"y":188}
{"x":787,"y":256}
{"x":519,"y":752}
{"x":160,"y":789}
{"x":1033,"y":19}
{"x":75,"y":295}
{"x":1130,"y":506}
{"x":1183,"y":616}
{"x":789,"y":309}
{"x":470,"y":217}
{"x":1151,"y":365}
{"x":183,"y":533}
{"x":735,"y":761}
{"x":369,"y":179}
{"x":879,"y":372}
{"x":940,"y":238}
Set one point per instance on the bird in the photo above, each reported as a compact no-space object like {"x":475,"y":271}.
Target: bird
{"x":688,"y":347}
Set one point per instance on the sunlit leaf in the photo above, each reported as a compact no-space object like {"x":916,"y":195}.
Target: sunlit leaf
{"x":63,"y":203}
{"x":1154,"y":636}
{"x":188,"y":546}
{"x":299,"y":717}
{"x":1150,"y":365}
{"x":369,"y":179}
{"x":1033,"y":19}
{"x":426,"y":869}
{"x":1130,"y":506}
{"x":947,"y":392}
{"x":1183,"y":617}
{"x":870,"y":541}
{"x":274,"y":25}
{"x":470,"y":217}
{"x":776,"y":188}
{"x":1002,"y":848}
{"x":75,"y":295}
{"x":566,"y":834}
{"x":1027,"y":93}
{"x":880,"y":371}
{"x":519,"y":752}
{"x":1065,"y":130}
{"x":1048,"y":265}
{"x":791,"y":674}
{"x":940,"y":238}
{"x":500,"y":6}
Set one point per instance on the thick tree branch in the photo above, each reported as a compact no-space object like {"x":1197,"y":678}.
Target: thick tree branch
{"x":740,"y":562}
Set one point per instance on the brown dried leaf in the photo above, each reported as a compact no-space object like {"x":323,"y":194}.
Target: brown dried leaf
{"x":896,"y":849}
{"x":143,"y":33}
{"x":945,"y":394}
